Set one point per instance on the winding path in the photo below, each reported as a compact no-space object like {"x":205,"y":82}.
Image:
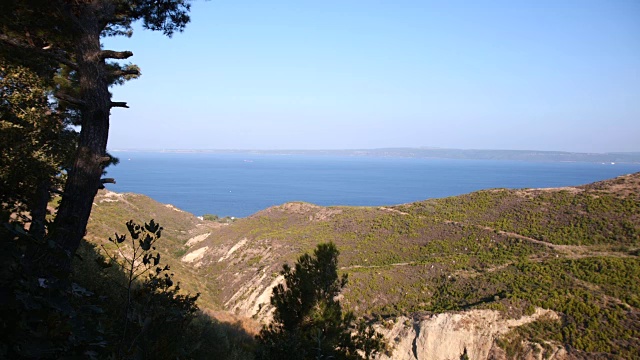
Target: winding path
{"x":568,"y":251}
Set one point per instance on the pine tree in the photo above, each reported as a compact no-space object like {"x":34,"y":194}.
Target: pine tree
{"x":308,"y":320}
{"x":36,"y":143}
{"x":68,"y":33}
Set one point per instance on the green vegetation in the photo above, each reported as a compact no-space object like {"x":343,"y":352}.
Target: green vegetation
{"x":155,"y":314}
{"x":128,"y":306}
{"x":557,"y":217}
{"x":61,"y":42}
{"x":434,"y":256}
{"x":574,"y":251}
{"x":37,"y":143}
{"x":224,"y":220}
{"x":155,"y":300}
{"x":210,"y":217}
{"x":308,"y":320}
{"x":57,"y":302}
{"x":594,"y":318}
{"x":110,"y":213}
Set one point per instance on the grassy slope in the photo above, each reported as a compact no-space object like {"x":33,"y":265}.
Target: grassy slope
{"x":110,"y":213}
{"x":574,"y":250}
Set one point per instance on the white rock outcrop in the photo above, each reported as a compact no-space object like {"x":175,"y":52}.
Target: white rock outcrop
{"x":233,"y":249}
{"x":196,"y":239}
{"x":446,"y":336}
{"x":195,"y":255}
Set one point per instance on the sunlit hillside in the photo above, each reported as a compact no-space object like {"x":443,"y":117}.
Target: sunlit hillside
{"x":572,"y":250}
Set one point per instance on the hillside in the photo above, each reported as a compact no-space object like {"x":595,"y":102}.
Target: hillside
{"x":112,"y":210}
{"x":489,"y":261}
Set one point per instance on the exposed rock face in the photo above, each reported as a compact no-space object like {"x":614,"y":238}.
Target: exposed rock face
{"x":256,"y":299}
{"x":446,"y":336}
{"x":196,"y":239}
{"x":196,"y":255}
{"x":233,"y":249}
{"x":437,"y":337}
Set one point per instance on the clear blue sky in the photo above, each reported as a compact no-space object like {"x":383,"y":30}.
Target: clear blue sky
{"x":541,"y":75}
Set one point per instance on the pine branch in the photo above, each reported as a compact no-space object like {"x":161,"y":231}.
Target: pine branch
{"x":106,"y":181}
{"x":121,"y":104}
{"x":48,"y":51}
{"x":70,"y":99}
{"x":110,"y":54}
{"x":119,"y":73}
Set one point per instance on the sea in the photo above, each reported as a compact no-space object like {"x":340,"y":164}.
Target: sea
{"x":241,"y":184}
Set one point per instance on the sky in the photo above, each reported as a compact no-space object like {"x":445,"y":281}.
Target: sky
{"x":355,"y":74}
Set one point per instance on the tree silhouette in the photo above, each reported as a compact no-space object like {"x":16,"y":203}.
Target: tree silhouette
{"x":308,"y":320}
{"x":68,"y":32}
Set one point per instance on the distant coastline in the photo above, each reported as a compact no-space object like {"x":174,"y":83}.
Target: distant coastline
{"x":433,"y":153}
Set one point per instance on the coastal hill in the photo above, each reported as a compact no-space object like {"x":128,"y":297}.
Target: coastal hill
{"x":528,"y":273}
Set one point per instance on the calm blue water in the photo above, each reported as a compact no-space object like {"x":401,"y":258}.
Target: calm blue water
{"x":242,"y":184}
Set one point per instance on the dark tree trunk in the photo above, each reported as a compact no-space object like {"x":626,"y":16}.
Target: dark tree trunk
{"x":39,"y":210}
{"x":84,"y":177}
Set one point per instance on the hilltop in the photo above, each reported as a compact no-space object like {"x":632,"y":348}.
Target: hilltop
{"x":492,"y":259}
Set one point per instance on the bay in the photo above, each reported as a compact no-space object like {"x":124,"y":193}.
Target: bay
{"x":241,"y":184}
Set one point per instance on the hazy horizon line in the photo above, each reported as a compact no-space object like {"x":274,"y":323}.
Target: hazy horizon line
{"x":358,"y":149}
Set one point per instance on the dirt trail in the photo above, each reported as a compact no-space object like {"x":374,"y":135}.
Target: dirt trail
{"x":379,"y":266}
{"x":568,"y":251}
{"x":392,"y":210}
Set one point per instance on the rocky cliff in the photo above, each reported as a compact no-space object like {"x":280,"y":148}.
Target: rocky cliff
{"x":450,"y":335}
